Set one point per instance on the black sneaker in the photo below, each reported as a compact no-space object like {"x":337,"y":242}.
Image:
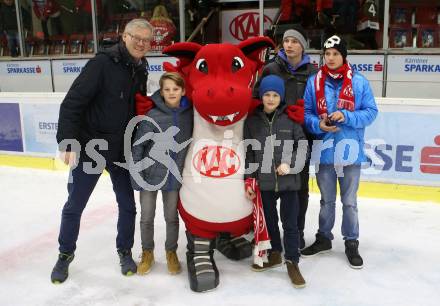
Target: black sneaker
{"x":352,"y":252}
{"x":128,"y":266}
{"x":61,"y":270}
{"x":321,"y":245}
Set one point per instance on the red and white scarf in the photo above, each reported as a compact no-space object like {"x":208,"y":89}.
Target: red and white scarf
{"x":262,"y":239}
{"x":346,"y":96}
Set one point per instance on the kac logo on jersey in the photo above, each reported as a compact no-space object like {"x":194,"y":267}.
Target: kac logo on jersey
{"x":216,"y":161}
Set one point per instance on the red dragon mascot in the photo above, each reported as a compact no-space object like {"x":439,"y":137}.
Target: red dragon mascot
{"x":212,"y":204}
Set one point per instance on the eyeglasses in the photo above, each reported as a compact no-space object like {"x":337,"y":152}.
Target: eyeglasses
{"x":138,"y":40}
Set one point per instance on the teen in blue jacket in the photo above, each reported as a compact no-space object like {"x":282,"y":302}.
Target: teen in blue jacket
{"x":339,"y":104}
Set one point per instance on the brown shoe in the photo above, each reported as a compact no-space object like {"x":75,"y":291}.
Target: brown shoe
{"x":295,"y":275}
{"x":147,"y":261}
{"x":274,"y":261}
{"x":173,"y":263}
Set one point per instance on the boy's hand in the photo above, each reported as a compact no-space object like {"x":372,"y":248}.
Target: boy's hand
{"x":337,"y":116}
{"x":283,"y":169}
{"x":250,"y":193}
{"x":327,"y":126}
{"x":143,"y":104}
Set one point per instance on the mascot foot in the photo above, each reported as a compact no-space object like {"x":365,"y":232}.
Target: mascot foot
{"x":202,"y":271}
{"x":233,"y":248}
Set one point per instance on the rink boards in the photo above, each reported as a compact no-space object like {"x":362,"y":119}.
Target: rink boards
{"x":403,"y":143}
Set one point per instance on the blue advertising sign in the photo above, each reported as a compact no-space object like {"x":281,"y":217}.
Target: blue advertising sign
{"x":10,"y":129}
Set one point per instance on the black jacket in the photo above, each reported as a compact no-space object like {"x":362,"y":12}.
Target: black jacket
{"x":100,"y":102}
{"x":8,"y":17}
{"x":259,"y":127}
{"x":295,"y":84}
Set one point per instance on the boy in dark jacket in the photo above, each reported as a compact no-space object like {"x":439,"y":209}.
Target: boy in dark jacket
{"x":293,"y":65}
{"x":279,"y":136}
{"x":162,"y":141}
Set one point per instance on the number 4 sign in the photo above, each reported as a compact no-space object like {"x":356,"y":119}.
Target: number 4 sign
{"x":368,"y":15}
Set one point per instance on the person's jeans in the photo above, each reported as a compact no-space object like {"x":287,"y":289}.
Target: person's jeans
{"x":13,"y":44}
{"x":80,"y":189}
{"x":148,"y":212}
{"x":289,"y":207}
{"x":348,"y":178}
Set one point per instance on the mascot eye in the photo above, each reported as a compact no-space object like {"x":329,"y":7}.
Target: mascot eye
{"x":202,"y":65}
{"x":237,"y":64}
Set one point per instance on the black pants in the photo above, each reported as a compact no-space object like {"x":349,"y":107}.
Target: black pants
{"x":57,"y":28}
{"x":303,"y":198}
{"x":289,"y":214}
{"x":80,"y":189}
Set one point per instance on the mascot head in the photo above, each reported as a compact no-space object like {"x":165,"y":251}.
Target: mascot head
{"x":219,"y":77}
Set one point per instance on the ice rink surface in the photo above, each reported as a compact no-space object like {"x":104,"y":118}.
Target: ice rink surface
{"x":400,"y":244}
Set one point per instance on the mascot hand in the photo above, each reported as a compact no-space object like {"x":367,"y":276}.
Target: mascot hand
{"x":143,"y":104}
{"x":253,"y":106}
{"x":296,"y":112}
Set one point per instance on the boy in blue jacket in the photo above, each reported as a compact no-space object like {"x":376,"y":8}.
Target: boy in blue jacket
{"x":339,"y":104}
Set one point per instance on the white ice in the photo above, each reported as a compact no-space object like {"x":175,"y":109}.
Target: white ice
{"x":400,"y":243}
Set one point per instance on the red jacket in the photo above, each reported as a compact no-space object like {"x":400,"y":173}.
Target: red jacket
{"x":323,"y":4}
{"x":51,"y":7}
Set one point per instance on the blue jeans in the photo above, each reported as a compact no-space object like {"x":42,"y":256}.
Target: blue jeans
{"x":80,"y":189}
{"x":13,"y":44}
{"x":289,"y":207}
{"x":327,"y":178}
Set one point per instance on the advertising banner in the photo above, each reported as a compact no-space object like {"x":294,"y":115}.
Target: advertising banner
{"x":65,"y":72}
{"x":371,"y":67}
{"x":10,"y":128}
{"x":404,"y":146}
{"x":413,"y":76}
{"x":239,"y":25}
{"x":40,"y":123}
{"x":22,"y":76}
{"x":155,"y":70}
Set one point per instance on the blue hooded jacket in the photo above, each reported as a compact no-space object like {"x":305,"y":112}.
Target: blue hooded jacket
{"x":350,"y":136}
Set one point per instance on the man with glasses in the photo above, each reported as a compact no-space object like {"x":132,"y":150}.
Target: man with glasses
{"x":99,"y":106}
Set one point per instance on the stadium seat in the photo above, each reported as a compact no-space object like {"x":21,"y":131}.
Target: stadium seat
{"x":57,"y":44}
{"x":401,"y":36}
{"x":75,"y":44}
{"x":427,"y":36}
{"x":38,"y":47}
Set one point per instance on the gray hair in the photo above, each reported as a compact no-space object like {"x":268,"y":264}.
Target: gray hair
{"x":138,"y":23}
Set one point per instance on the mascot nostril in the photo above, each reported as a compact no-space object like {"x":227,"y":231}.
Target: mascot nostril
{"x":212,"y":200}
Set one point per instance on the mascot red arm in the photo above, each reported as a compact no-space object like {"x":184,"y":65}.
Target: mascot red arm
{"x":219,"y":80}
